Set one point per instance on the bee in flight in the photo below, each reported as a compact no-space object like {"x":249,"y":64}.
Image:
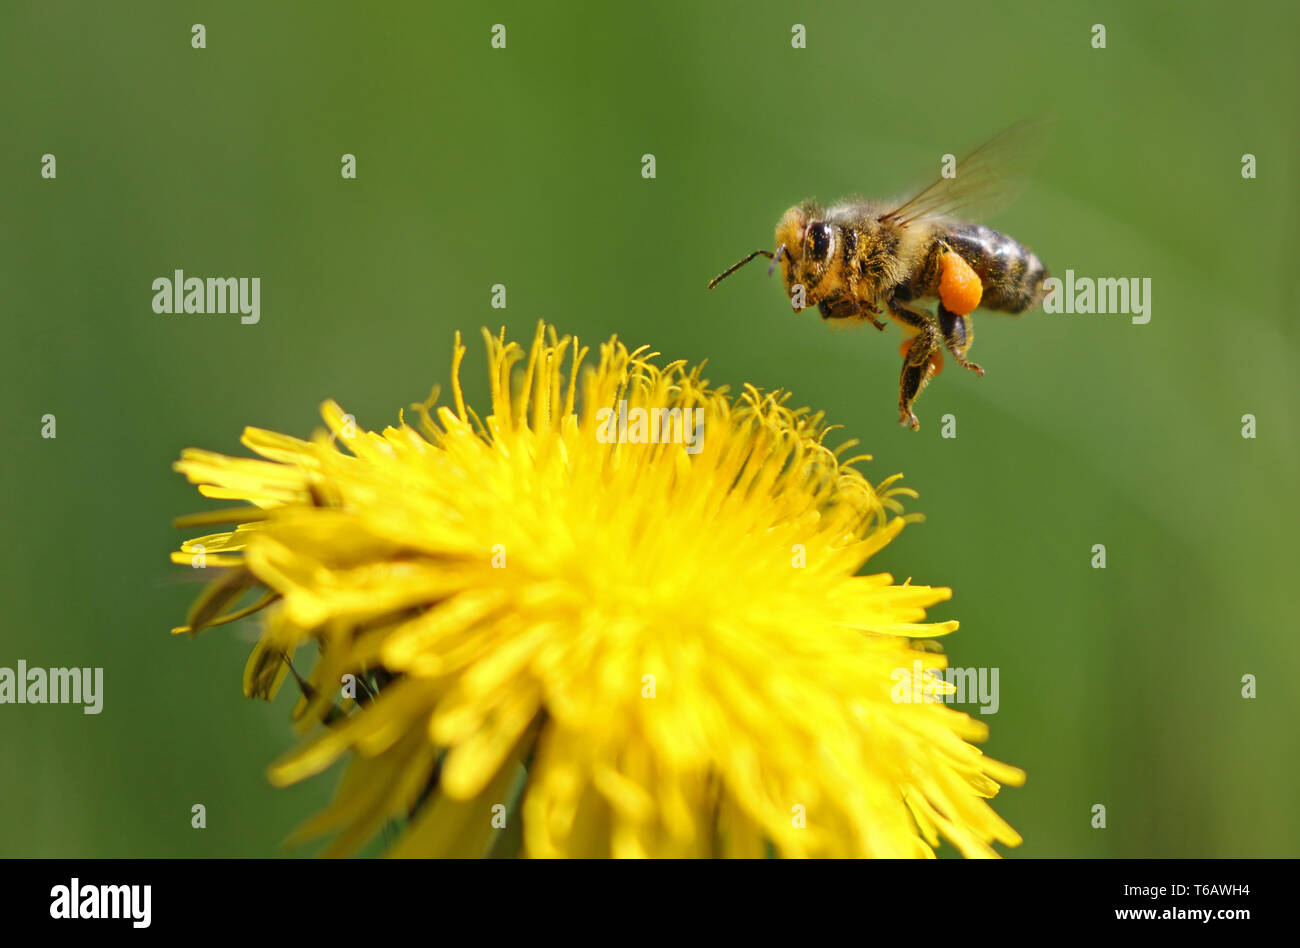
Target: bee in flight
{"x":861,"y":259}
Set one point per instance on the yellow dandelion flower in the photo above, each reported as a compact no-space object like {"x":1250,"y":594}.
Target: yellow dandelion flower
{"x":587,"y":621}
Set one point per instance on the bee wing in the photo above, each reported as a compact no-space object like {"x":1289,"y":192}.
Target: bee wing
{"x":987,"y":179}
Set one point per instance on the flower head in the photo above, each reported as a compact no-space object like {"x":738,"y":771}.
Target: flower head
{"x":589,"y":620}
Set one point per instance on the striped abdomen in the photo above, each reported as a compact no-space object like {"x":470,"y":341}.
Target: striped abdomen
{"x":1012,"y":275}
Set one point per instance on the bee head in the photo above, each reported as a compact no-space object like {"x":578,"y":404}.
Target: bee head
{"x":804,"y":245}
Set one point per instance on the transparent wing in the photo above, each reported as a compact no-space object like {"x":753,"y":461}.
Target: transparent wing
{"x":987,"y":180}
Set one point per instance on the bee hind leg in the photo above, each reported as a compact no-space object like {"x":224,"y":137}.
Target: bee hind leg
{"x":916,"y":365}
{"x":957,"y":337}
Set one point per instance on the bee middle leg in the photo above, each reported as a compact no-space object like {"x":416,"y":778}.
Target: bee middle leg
{"x":957,"y":337}
{"x":916,"y":366}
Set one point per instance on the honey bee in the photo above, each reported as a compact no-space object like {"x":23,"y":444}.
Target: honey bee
{"x":860,"y":259}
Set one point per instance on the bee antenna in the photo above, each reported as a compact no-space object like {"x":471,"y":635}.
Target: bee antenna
{"x":777,"y":256}
{"x":736,"y":266}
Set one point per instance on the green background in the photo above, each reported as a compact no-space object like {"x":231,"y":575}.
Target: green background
{"x":523,"y":167}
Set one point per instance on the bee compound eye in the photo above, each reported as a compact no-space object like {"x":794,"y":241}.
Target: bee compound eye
{"x":819,"y":240}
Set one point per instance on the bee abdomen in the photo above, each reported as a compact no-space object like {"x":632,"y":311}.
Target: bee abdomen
{"x":1012,"y":274}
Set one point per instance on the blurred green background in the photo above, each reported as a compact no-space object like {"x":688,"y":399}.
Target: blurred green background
{"x":522,"y":166}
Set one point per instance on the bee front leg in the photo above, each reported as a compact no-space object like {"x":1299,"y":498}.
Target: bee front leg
{"x":957,"y":337}
{"x":916,"y":365}
{"x":871,"y":312}
{"x":848,"y":309}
